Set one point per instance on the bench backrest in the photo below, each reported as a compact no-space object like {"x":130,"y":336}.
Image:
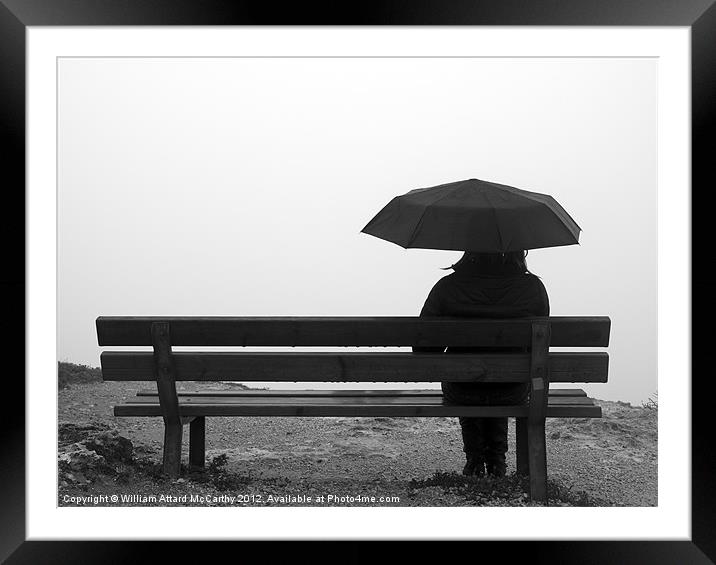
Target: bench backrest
{"x":300,"y":366}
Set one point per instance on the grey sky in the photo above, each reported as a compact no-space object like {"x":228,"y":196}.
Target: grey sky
{"x":239,"y":186}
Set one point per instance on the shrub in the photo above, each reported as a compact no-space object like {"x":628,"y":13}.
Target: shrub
{"x":71,"y":373}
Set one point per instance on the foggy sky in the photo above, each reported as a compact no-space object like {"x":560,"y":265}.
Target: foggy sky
{"x":240,"y":186}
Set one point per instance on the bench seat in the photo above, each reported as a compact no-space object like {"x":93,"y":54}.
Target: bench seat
{"x":563,"y":403}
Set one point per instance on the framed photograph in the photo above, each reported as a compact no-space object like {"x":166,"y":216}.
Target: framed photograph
{"x":193,"y":164}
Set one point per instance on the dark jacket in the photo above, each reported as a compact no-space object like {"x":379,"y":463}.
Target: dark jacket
{"x":478,"y":292}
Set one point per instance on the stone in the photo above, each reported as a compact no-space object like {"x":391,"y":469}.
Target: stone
{"x":112,"y":446}
{"x":103,"y":453}
{"x":78,"y":458}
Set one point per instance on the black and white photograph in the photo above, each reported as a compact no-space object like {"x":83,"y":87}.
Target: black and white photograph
{"x":299,"y":274}
{"x":363,"y":281}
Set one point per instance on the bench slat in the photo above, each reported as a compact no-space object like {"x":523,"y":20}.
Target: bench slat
{"x":355,"y":409}
{"x":558,"y":392}
{"x":408,"y":403}
{"x":334,"y":401}
{"x":567,"y":331}
{"x":355,"y":367}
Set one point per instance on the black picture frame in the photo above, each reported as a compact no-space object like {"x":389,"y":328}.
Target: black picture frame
{"x":17,"y":15}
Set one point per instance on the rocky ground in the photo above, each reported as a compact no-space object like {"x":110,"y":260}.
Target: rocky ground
{"x":610,"y":461}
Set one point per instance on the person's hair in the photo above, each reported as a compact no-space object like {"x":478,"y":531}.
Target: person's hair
{"x":513,"y":258}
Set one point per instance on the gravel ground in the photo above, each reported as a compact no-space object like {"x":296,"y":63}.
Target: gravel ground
{"x":610,"y":461}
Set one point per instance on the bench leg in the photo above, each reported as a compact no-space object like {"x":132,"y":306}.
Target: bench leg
{"x":172,"y":449}
{"x":197,"y":446}
{"x":537,"y":454}
{"x":523,"y":467}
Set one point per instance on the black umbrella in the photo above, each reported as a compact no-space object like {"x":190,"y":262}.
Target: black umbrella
{"x":474,"y":215}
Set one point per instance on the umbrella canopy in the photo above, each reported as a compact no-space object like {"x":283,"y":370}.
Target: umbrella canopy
{"x":474,"y":215}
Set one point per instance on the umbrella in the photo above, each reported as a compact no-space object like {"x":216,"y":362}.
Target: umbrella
{"x":474,"y":215}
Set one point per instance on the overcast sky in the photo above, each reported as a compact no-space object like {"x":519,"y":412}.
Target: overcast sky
{"x":239,"y":186}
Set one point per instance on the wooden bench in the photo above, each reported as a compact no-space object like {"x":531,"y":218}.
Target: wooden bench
{"x":538,"y":367}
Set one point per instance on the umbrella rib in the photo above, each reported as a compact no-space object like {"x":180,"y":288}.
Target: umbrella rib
{"x":497,"y":223}
{"x":540,"y":198}
{"x":562,"y":220}
{"x":560,"y":217}
{"x":561,"y":223}
{"x":420,"y":220}
{"x":559,"y":212}
{"x":444,"y":196}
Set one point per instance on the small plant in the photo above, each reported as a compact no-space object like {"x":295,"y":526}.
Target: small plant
{"x":652,"y":403}
{"x":561,"y":493}
{"x":221,"y":478}
{"x":477,"y":489}
{"x":512,"y":489}
{"x":217,"y":465}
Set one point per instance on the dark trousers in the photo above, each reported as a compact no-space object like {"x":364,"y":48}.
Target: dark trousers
{"x":485,"y":438}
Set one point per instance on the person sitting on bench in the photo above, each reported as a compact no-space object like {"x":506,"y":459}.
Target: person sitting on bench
{"x":486,"y":285}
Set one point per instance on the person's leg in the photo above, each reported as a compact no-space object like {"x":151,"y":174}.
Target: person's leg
{"x":495,"y":434}
{"x":473,"y":446}
{"x":495,"y":429}
{"x":472,"y":435}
